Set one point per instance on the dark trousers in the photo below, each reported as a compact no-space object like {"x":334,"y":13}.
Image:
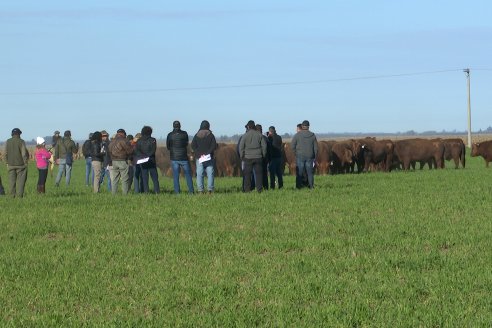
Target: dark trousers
{"x":304,"y":165}
{"x":43,"y":174}
{"x":250,"y":165}
{"x":276,"y":171}
{"x":145,"y":179}
{"x":264,"y":170}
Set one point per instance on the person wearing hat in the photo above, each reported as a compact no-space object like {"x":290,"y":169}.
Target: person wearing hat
{"x":305,"y":148}
{"x":55,"y":138}
{"x":64,"y":151}
{"x":252,"y":150}
{"x":120,"y":150}
{"x":203,"y":147}
{"x":42,"y":156}
{"x":275,"y":165}
{"x":16,"y":157}
{"x":177,"y":144}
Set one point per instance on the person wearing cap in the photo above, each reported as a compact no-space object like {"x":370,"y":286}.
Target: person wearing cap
{"x":203,"y":147}
{"x":55,"y":138}
{"x":177,"y":144}
{"x":16,"y":157}
{"x":275,"y":165}
{"x":120,"y":150}
{"x":305,"y":148}
{"x":145,"y":153}
{"x":42,"y":156}
{"x":252,"y":150}
{"x":107,"y":159}
{"x":86,"y":151}
{"x":64,"y":151}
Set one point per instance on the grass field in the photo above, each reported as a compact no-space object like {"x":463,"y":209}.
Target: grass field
{"x":399,"y":249}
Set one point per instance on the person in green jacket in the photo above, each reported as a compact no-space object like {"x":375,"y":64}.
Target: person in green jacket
{"x":16,"y":157}
{"x":64,"y":150}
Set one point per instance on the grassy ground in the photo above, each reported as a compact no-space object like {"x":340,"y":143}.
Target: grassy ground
{"x":399,"y":249}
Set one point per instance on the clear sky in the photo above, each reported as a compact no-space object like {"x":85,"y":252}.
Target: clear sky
{"x":91,"y":65}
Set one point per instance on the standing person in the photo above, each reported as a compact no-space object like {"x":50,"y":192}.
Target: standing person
{"x":252,"y":150}
{"x":145,"y":154}
{"x":120,"y":150}
{"x":131,"y":168}
{"x":64,"y":151}
{"x":86,"y":151}
{"x":305,"y":148}
{"x":203,"y":146}
{"x":107,"y":159}
{"x":55,"y":138}
{"x":275,"y":142}
{"x":97,"y":154}
{"x":177,"y":144}
{"x":16,"y":157}
{"x":266,"y":158}
{"x":137,"y":172}
{"x":42,"y":156}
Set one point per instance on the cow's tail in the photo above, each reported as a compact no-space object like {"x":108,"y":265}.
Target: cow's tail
{"x":463,"y":153}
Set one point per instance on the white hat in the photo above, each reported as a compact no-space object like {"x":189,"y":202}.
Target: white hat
{"x":40,"y":140}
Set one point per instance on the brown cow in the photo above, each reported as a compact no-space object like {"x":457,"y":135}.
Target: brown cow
{"x":454,"y":149}
{"x":163,"y":161}
{"x":341,"y":157}
{"x":323,"y":157}
{"x":377,"y":153}
{"x":419,"y":150}
{"x":290,"y":158}
{"x":483,"y":149}
{"x":227,"y":161}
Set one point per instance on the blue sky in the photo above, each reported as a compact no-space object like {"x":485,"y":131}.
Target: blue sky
{"x":92,"y":65}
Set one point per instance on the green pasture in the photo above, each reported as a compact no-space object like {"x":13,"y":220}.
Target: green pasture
{"x":400,"y":249}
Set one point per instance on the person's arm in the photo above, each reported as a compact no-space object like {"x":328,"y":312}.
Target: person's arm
{"x":24,"y":152}
{"x":168,"y":142}
{"x":213,"y":145}
{"x":315,"y":147}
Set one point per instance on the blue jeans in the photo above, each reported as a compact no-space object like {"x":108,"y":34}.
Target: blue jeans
{"x":304,"y":164}
{"x":88,"y":169}
{"x":201,"y":169}
{"x":63,"y":167}
{"x":187,"y":172}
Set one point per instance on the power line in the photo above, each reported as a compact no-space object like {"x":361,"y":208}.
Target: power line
{"x":231,"y":86}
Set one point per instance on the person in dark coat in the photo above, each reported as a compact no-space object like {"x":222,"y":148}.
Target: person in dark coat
{"x":203,"y":146}
{"x":145,"y":153}
{"x":252,"y":150}
{"x":177,"y":144}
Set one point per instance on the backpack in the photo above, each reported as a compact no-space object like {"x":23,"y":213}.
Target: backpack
{"x":86,"y":148}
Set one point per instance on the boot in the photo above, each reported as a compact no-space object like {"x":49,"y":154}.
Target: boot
{"x":2,"y":191}
{"x":42,"y":189}
{"x":39,"y":189}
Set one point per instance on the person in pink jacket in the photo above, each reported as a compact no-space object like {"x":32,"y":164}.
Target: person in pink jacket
{"x":42,"y":156}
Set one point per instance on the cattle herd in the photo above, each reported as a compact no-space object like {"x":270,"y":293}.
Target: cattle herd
{"x":355,"y":156}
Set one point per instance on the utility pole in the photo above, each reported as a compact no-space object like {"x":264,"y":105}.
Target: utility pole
{"x":467,"y":72}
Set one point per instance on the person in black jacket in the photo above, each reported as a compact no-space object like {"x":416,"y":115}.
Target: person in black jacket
{"x":97,"y":155}
{"x":276,"y":165}
{"x":145,"y":154}
{"x":177,"y":144}
{"x":203,"y":146}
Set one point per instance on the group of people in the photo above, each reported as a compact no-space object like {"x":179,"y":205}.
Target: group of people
{"x":131,"y":160}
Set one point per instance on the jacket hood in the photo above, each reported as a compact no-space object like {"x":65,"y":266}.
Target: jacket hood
{"x":203,"y":133}
{"x":307,"y":134}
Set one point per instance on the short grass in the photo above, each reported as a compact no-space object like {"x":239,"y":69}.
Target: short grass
{"x":399,"y":249}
